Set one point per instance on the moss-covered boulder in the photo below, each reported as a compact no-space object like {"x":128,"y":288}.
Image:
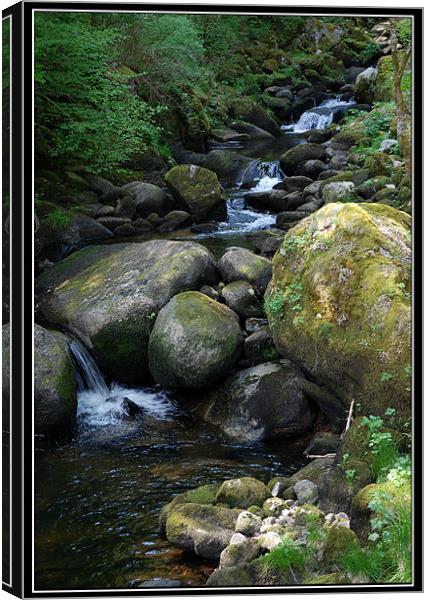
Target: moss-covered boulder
{"x":314,"y":471}
{"x":360,"y":513}
{"x":229,"y":166}
{"x":55,"y":398}
{"x":261,"y":402}
{"x":339,"y":303}
{"x":197,"y":191}
{"x":242,"y":492}
{"x":341,"y":482}
{"x":239,"y":554}
{"x":238,"y":576}
{"x":204,"y":494}
{"x":202,"y":529}
{"x":148,"y":198}
{"x":383,"y":85}
{"x":108,"y":296}
{"x":195,"y":341}
{"x":241,"y":264}
{"x":339,"y":541}
{"x":301,"y":153}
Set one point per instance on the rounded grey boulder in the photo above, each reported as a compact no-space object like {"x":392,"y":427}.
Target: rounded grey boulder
{"x":195,"y":341}
{"x":241,"y":264}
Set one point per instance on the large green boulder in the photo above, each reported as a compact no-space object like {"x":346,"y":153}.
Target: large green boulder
{"x":242,"y":493}
{"x":339,"y":541}
{"x":197,"y":191}
{"x":291,"y":158}
{"x":195,"y":341}
{"x":339,"y":303}
{"x":202,"y":529}
{"x":55,"y":397}
{"x":109,"y":296}
{"x":261,"y":402}
{"x":204,"y":494}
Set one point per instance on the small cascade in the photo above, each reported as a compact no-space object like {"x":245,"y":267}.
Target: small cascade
{"x":319,"y":117}
{"x":100,"y":405}
{"x":270,"y":174}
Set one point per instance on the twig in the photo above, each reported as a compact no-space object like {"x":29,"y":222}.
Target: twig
{"x":329,"y":455}
{"x":350,"y":417}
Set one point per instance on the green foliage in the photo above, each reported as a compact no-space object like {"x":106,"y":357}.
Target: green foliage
{"x":382,"y":446}
{"x":274,"y":303}
{"x":369,"y":51}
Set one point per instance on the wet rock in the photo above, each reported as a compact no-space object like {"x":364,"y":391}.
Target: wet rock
{"x":226,"y":134}
{"x":113,"y":222}
{"x":260,"y":402}
{"x":109,"y":295}
{"x":195,"y":341}
{"x":311,"y":168}
{"x":55,"y":397}
{"x":284,"y":219}
{"x":241,"y":298}
{"x":197,"y":191}
{"x":204,"y":494}
{"x":125,"y":230}
{"x":210,"y":292}
{"x":228,"y":165}
{"x":273,"y":200}
{"x":242,"y":492}
{"x":241,"y":264}
{"x":105,"y":211}
{"x":319,"y":136}
{"x":142,"y":225}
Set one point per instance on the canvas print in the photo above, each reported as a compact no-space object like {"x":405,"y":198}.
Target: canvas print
{"x":222,"y":300}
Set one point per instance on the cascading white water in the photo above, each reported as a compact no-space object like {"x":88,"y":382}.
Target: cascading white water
{"x":319,"y":117}
{"x":100,"y":405}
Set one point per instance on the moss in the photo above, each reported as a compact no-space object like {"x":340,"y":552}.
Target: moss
{"x":350,"y":254}
{"x":307,"y":514}
{"x":239,"y":576}
{"x":204,"y":494}
{"x":338,"y":542}
{"x":243,"y":492}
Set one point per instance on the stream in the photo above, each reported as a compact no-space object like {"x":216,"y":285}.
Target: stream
{"x":99,"y":494}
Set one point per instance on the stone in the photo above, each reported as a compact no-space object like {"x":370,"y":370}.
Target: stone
{"x":306,"y":491}
{"x":348,"y":268}
{"x":197,"y":191}
{"x":204,"y":494}
{"x":259,"y":347}
{"x":176,"y":219}
{"x":338,"y":542}
{"x":109,"y":295}
{"x":265,"y":401}
{"x":239,"y":554}
{"x":337,"y":191}
{"x":364,"y":85}
{"x":204,"y":530}
{"x":301,"y":153}
{"x":248,"y":523}
{"x":252,"y":324}
{"x":241,"y":264}
{"x":55,"y":394}
{"x":241,"y":297}
{"x":293,"y":184}
{"x":269,"y":541}
{"x":195,"y":341}
{"x":324,"y":442}
{"x":242,"y":492}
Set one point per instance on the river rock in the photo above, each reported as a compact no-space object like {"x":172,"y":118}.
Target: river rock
{"x":272,"y":200}
{"x":55,"y":399}
{"x":301,"y":153}
{"x":253,"y":324}
{"x":337,"y":191}
{"x":109,"y":295}
{"x":225,"y":134}
{"x":197,"y":191}
{"x":260,"y":402}
{"x":202,"y":529}
{"x":296,"y":183}
{"x":149,"y":198}
{"x":364,"y":85}
{"x":248,"y":523}
{"x":239,"y":554}
{"x":324,"y":442}
{"x":259,"y":347}
{"x":347,"y":267}
{"x":311,"y":168}
{"x":259,"y":116}
{"x":242,"y":493}
{"x":241,"y":298}
{"x":306,"y":491}
{"x":175,"y":220}
{"x":228,"y":165}
{"x":125,"y":230}
{"x":241,"y":264}
{"x":251,"y":130}
{"x":195,"y":341}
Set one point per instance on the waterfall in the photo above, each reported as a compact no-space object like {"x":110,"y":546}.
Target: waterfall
{"x":270,"y":174}
{"x":88,"y":374}
{"x":319,"y":117}
{"x":100,"y":405}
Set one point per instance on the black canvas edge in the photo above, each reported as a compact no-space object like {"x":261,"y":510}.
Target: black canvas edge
{"x":14,"y":585}
{"x":22,"y":273}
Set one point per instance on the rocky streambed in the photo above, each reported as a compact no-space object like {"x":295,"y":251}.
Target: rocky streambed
{"x":208,"y":330}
